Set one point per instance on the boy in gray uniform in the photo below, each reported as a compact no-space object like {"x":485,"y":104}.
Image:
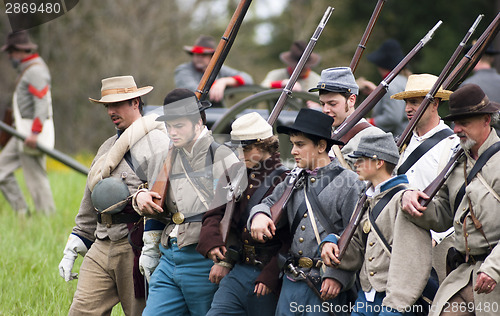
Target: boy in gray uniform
{"x":332,"y":192}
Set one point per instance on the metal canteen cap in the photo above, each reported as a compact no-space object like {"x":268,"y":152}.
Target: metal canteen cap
{"x":108,"y":192}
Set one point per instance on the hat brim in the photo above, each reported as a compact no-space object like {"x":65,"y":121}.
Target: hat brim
{"x":492,"y":107}
{"x":286,"y":57}
{"x":206,"y":50}
{"x":442,"y":94}
{"x":118,"y":97}
{"x":289,"y":130}
{"x":19,"y":46}
{"x":330,"y":89}
{"x":204,"y":105}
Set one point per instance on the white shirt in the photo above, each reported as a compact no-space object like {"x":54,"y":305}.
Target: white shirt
{"x":426,"y":169}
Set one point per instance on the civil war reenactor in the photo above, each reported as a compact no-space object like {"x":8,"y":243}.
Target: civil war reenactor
{"x":394,"y":254}
{"x":321,"y":203}
{"x":430,"y":147}
{"x":109,"y":273}
{"x":180,"y":283}
{"x":337,"y":95}
{"x":468,"y":201}
{"x":249,"y":269}
{"x":32,"y":113}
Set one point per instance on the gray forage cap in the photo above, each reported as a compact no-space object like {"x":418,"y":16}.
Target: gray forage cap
{"x":338,"y":79}
{"x":380,"y":146}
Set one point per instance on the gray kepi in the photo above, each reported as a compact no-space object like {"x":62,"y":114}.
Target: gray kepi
{"x":338,"y":79}
{"x":380,"y":146}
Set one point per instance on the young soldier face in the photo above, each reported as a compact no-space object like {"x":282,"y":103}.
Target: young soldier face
{"x":181,"y":131}
{"x":366,"y":168}
{"x":304,"y":151}
{"x":251,"y":155}
{"x":124,"y":113}
{"x":337,"y":106}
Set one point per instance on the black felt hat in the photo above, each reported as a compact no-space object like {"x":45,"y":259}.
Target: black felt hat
{"x":312,"y":122}
{"x":470,"y":100}
{"x":388,"y":55}
{"x":181,"y":103}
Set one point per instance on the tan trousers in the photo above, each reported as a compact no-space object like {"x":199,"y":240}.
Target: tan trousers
{"x":462,"y":303}
{"x":35,"y":176}
{"x":105,"y":279}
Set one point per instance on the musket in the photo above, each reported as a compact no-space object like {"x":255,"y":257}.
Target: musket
{"x":161,"y":183}
{"x":287,"y":90}
{"x":222,"y":50}
{"x":366,"y":35}
{"x":467,"y":63}
{"x":436,"y":184}
{"x":405,"y":137}
{"x":54,"y":153}
{"x":234,"y":190}
{"x":381,"y":89}
{"x":346,"y":236}
{"x":296,"y":175}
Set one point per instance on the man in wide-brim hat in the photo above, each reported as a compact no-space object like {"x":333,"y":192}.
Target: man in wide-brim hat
{"x":123,"y":163}
{"x":332,"y":192}
{"x":469,"y":205}
{"x":188,"y":75}
{"x":180,"y":283}
{"x":278,"y":78}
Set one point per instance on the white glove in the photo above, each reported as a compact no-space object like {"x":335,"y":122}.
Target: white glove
{"x":150,"y":255}
{"x":74,"y":246}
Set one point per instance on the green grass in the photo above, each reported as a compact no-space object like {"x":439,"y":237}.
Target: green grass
{"x":31,"y":249}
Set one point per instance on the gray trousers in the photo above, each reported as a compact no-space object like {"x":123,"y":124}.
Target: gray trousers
{"x":35,"y":175}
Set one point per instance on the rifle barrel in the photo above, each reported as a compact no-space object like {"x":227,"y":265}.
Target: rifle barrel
{"x":57,"y":155}
{"x":287,"y":90}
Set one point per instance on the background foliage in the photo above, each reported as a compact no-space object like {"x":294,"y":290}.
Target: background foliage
{"x":98,"y":39}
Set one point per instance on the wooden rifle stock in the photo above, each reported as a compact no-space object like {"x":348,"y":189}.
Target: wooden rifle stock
{"x":381,"y":89}
{"x":279,"y":206}
{"x":287,"y":91}
{"x":432,"y":189}
{"x":234,"y":190}
{"x":405,"y":137}
{"x":222,"y":50}
{"x":366,"y":35}
{"x":467,"y":63}
{"x":160,"y":185}
{"x":348,"y":233}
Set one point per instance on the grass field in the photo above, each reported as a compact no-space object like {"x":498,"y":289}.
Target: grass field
{"x":31,"y":248}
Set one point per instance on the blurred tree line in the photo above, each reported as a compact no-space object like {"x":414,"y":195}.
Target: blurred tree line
{"x":99,"y":39}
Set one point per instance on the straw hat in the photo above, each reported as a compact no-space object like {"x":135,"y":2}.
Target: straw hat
{"x":122,"y":88}
{"x":419,"y":86}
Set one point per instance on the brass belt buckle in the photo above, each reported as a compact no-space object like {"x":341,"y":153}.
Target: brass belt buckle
{"x":305,"y":262}
{"x":106,"y":219}
{"x":178,"y":218}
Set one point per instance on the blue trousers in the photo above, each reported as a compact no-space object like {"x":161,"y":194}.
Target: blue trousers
{"x":180,"y":284}
{"x":296,"y":298}
{"x":364,"y":308}
{"x":235,"y":295}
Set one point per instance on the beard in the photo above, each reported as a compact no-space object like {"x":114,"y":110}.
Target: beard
{"x":468,"y":143}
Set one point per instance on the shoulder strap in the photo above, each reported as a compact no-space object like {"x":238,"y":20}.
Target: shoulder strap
{"x":302,"y":209}
{"x":377,"y":209}
{"x":138,"y":172}
{"x":481,"y":161}
{"x":354,"y":131}
{"x":422,"y":149}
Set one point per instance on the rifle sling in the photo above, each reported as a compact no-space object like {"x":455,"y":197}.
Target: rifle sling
{"x":420,"y":151}
{"x":377,"y":209}
{"x":261,"y":191}
{"x":315,"y":203}
{"x":481,"y":161}
{"x":354,"y":131}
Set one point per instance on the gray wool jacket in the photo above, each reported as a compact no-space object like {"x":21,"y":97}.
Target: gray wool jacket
{"x":337,"y":200}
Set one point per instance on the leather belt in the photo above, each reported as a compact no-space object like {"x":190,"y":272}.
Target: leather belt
{"x":178,"y":218}
{"x":306,"y":262}
{"x":474,"y":258}
{"x":120,"y":218}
